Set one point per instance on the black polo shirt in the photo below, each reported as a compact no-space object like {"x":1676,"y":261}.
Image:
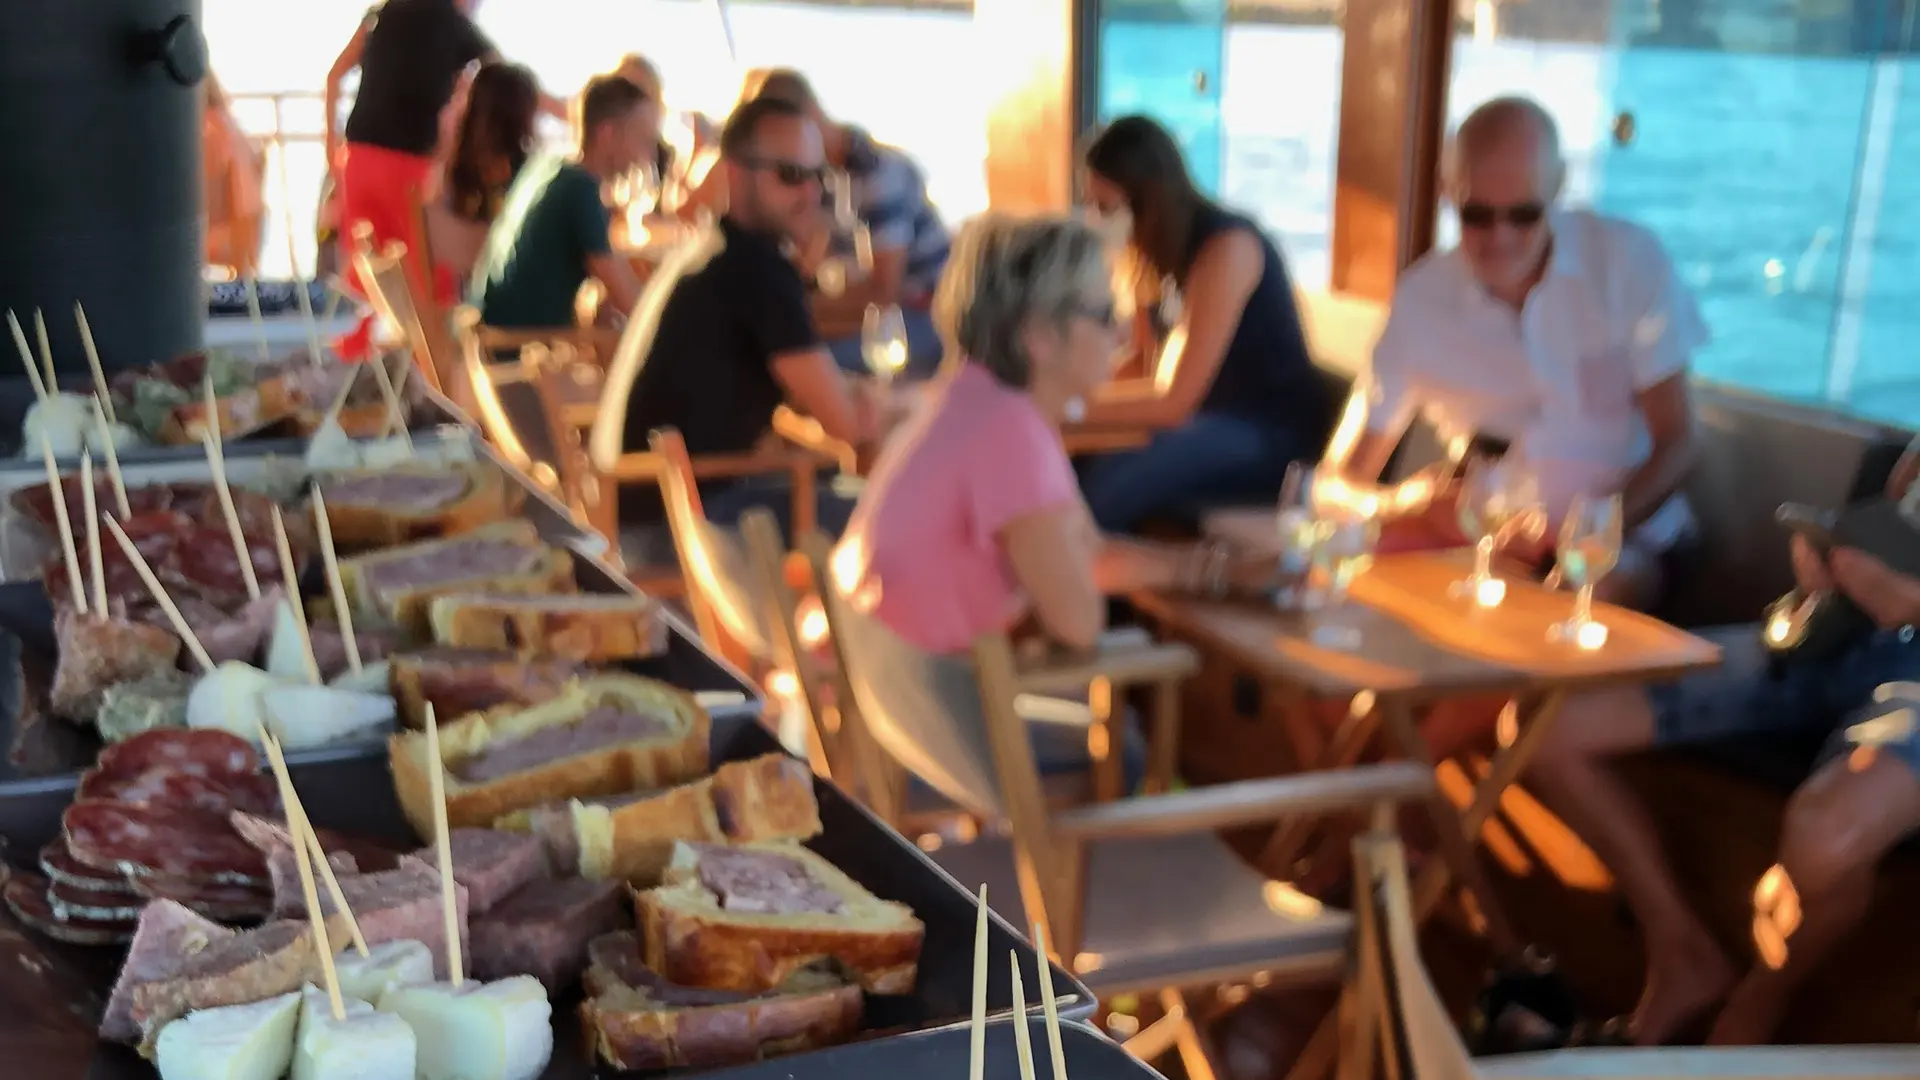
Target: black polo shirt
{"x":413,"y":55}
{"x":725,"y":310}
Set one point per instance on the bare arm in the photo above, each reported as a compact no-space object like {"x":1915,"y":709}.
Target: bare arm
{"x":814,"y":385}
{"x":1052,"y":555}
{"x":618,"y":278}
{"x":348,"y":59}
{"x":1668,"y":409}
{"x":1224,"y":275}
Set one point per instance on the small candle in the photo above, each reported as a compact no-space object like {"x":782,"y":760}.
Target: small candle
{"x":1591,"y":636}
{"x":1490,"y":593}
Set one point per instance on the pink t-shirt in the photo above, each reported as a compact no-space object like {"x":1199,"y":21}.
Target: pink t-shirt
{"x":925,"y":538}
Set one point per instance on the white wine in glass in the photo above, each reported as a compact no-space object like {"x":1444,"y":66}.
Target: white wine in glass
{"x":883,"y":341}
{"x":1299,"y":534}
{"x":1588,"y":551}
{"x":1344,"y":551}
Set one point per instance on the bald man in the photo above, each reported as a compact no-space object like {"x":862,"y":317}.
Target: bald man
{"x":1561,"y":337}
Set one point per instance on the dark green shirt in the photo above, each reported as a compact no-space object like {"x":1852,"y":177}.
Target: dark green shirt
{"x":535,"y":258}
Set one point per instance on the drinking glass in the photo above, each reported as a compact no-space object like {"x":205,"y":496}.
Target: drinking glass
{"x":1498,"y":500}
{"x":1299,"y":535}
{"x":883,"y":341}
{"x":1344,"y":545}
{"x":1589,"y":548}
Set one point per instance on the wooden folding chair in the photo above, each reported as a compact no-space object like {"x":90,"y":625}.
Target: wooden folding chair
{"x":1417,"y":1035}
{"x":1137,"y":894}
{"x":415,"y":320}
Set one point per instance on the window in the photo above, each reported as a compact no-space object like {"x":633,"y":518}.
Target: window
{"x":1762,"y":142}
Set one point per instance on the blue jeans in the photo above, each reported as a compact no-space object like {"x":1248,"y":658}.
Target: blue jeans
{"x":725,"y":501}
{"x":1212,"y":460}
{"x":1834,"y":696}
{"x":923,"y":347}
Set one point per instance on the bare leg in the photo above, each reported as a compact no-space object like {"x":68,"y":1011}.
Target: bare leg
{"x":1838,"y":826}
{"x":1687,"y":973}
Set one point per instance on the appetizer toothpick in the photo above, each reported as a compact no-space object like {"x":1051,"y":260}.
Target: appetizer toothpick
{"x":305,"y":835}
{"x":1022,"y":1037}
{"x":160,"y":597}
{"x":113,"y":460}
{"x":253,"y":316}
{"x":449,"y":909}
{"x":336,"y":585}
{"x":396,"y":419}
{"x":93,"y":361}
{"x":94,"y":564}
{"x":291,"y":575}
{"x":1048,"y":1005}
{"x":217,"y":465}
{"x":315,"y":917}
{"x":293,"y":268}
{"x":977,"y":1028}
{"x":65,"y":525}
{"x":46,"y":351}
{"x":40,"y":390}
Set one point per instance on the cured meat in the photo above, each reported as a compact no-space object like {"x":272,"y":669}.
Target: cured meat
{"x":222,"y":903}
{"x":491,"y":864}
{"x":763,"y":882}
{"x":162,"y":842}
{"x":59,"y":864}
{"x":201,"y":752}
{"x":463,"y":560}
{"x":330,"y":645}
{"x":543,"y":930}
{"x":414,"y":492}
{"x":460,"y":681}
{"x":26,"y":897}
{"x":251,"y":966}
{"x":168,"y":935}
{"x":96,"y":653}
{"x":165,"y":785}
{"x":73,"y":904}
{"x":604,"y":725}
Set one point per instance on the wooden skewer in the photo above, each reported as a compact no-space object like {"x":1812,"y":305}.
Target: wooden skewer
{"x":26,"y":357}
{"x":977,"y":1028}
{"x":315,"y":917}
{"x":436,"y":778}
{"x":396,"y":420}
{"x":113,"y":460}
{"x":336,"y":585}
{"x":46,"y":351}
{"x":291,"y":574}
{"x":75,"y":577}
{"x":217,"y":465}
{"x":1022,"y":1037}
{"x":94,"y":564}
{"x":93,"y":361}
{"x":307,"y":836}
{"x":1048,"y":1005}
{"x":160,"y":597}
{"x":212,"y":420}
{"x":253,"y":315}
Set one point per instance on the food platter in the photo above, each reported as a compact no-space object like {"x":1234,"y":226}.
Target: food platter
{"x":1089,"y":1056}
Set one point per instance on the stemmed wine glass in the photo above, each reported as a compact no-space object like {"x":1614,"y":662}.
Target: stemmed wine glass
{"x":1344,"y":543}
{"x":1299,"y":536}
{"x":1498,"y":500}
{"x":1589,"y":549}
{"x":883,"y":341}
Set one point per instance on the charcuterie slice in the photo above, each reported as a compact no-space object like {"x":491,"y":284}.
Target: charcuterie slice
{"x":26,"y":897}
{"x":161,"y":841}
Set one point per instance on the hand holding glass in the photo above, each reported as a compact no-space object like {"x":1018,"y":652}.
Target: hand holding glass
{"x":1497,"y":501}
{"x":1589,"y":549}
{"x":883,"y":341}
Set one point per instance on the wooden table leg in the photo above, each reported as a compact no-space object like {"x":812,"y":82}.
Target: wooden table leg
{"x":1349,"y":741}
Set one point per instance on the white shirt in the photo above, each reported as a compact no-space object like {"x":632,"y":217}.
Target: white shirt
{"x":1558,"y":378}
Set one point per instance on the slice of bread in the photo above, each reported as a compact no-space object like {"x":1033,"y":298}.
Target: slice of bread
{"x":594,"y":628}
{"x":767,"y":798}
{"x":437,"y":570}
{"x":636,"y":1020}
{"x":693,"y":940}
{"x":478,"y":494}
{"x":583,"y":743}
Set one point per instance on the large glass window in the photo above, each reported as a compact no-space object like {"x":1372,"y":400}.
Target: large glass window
{"x":1762,"y":142}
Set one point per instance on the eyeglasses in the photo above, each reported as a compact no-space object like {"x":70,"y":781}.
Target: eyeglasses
{"x":789,"y":173}
{"x":1102,"y":314}
{"x":1479,"y":215}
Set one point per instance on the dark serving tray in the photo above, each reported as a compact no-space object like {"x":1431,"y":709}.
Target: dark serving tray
{"x":356,"y":797}
{"x":944,"y":1052}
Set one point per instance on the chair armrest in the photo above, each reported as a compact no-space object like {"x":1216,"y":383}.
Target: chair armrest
{"x":1130,"y":666}
{"x":646,"y":466}
{"x":1248,"y":802}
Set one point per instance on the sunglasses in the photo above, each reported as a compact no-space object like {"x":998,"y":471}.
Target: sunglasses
{"x":1479,"y":215}
{"x":790,"y":174}
{"x":1101,"y":315}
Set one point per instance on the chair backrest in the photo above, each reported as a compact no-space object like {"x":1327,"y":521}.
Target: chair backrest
{"x":924,"y":709}
{"x":480,"y":375}
{"x":410,"y":315}
{"x":1422,"y":1027}
{"x":729,"y":609}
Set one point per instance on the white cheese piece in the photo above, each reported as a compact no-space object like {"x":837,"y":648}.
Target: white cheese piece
{"x":234,"y":1042}
{"x":330,"y":448}
{"x":286,"y":652}
{"x":386,"y":965}
{"x":478,"y":1031}
{"x":305,"y":717}
{"x":63,"y":419}
{"x":230,"y":699}
{"x":122,"y":437}
{"x":366,"y":1045}
{"x":373,"y":678}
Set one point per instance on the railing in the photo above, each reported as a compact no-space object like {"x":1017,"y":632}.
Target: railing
{"x":286,"y":127}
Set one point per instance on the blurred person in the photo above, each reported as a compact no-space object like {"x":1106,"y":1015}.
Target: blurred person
{"x":491,"y":137}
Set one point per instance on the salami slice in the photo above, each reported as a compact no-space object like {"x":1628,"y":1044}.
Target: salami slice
{"x":73,"y":904}
{"x":221,"y":903}
{"x":60,"y":865}
{"x":159,"y":841}
{"x":167,"y":785}
{"x":199,"y":751}
{"x":26,"y":897}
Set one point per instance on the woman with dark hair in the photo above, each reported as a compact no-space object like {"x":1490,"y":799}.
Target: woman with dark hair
{"x":491,"y":138}
{"x":1228,"y":386}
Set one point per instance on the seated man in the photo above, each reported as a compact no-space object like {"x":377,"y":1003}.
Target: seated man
{"x":1561,"y":333}
{"x":889,"y":197}
{"x":724,"y":336}
{"x":552,"y":232}
{"x":1863,"y":799}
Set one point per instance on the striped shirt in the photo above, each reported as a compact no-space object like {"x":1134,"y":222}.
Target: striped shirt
{"x":890,"y":198}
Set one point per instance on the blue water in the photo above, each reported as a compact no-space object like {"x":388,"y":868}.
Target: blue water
{"x":1750,"y":167}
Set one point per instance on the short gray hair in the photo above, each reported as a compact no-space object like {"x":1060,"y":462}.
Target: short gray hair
{"x":1494,"y":123}
{"x":1006,"y":271}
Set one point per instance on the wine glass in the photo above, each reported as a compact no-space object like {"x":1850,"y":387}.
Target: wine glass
{"x":1589,"y":549}
{"x":1498,"y":501}
{"x":883,"y":341}
{"x":1299,"y":535}
{"x":1344,"y":545}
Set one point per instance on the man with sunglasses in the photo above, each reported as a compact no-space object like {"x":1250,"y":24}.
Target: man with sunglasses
{"x":1558,"y":335}
{"x":723,"y":335}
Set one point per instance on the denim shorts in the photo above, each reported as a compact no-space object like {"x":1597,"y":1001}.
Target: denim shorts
{"x":1749,"y":696}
